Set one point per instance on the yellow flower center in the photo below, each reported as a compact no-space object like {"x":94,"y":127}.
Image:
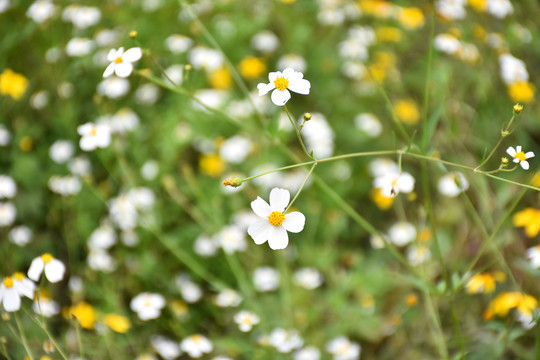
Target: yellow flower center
{"x":197,"y":339}
{"x":520,"y":156}
{"x":8,"y":282}
{"x":93,"y":132}
{"x":276,"y":218}
{"x":281,"y":83}
{"x":46,"y":258}
{"x":118,"y":60}
{"x":18,"y":276}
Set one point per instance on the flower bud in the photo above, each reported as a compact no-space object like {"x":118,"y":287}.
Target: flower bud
{"x":234,"y":182}
{"x":518,"y":108}
{"x":307,"y":116}
{"x":133,"y":34}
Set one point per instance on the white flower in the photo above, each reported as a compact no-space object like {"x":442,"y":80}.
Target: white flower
{"x":11,"y":290}
{"x":285,"y":341}
{"x":452,"y":9}
{"x":8,"y":188}
{"x":231,"y":239}
{"x":512,"y":69}
{"x":191,"y":292}
{"x":79,"y":47}
{"x":447,"y":43}
{"x":265,"y":41}
{"x":246,"y":320}
{"x":393,"y":183}
{"x":307,"y":353}
{"x":4,"y":5}
{"x":8,"y":212}
{"x":343,"y":349}
{"x":196,"y":345}
{"x":41,"y":10}
{"x":20,"y":235}
{"x":178,"y":44}
{"x":54,"y":268}
{"x":94,"y":136}
{"x":5,"y":136}
{"x":65,"y":185}
{"x":281,"y":83}
{"x":369,"y":124}
{"x":80,"y":166}
{"x":228,"y":298}
{"x":45,"y":306}
{"x":167,"y":348}
{"x":61,"y":151}
{"x":266,"y":279}
{"x":499,"y":8}
{"x":418,"y":254}
{"x":274,"y":224}
{"x":113,"y":87}
{"x":452,"y":184}
{"x":205,"y":246}
{"x":402,"y":233}
{"x":147,"y":305}
{"x":318,"y":135}
{"x":520,"y":156}
{"x":147,"y":94}
{"x":293,"y":61}
{"x":201,"y":57}
{"x":533,"y":254}
{"x":100,"y":260}
{"x":235,"y":149}
{"x":121,"y":62}
{"x":102,"y":238}
{"x":308,"y":278}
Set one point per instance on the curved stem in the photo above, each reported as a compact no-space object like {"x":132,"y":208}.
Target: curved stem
{"x":297,"y":133}
{"x":301,"y":187}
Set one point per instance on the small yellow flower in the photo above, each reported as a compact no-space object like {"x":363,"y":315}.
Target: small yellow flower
{"x":382,"y":202}
{"x":504,"y":302}
{"x":12,"y":84}
{"x":518,"y":108}
{"x":212,"y":165}
{"x":522,"y":91}
{"x":528,"y":218}
{"x":411,"y":300}
{"x":411,"y":18}
{"x":485,"y":282}
{"x":84,"y":313}
{"x":252,"y":67}
{"x":220,"y":79}
{"x":117,"y":323}
{"x":407,"y":111}
{"x":478,"y":5}
{"x":388,"y":34}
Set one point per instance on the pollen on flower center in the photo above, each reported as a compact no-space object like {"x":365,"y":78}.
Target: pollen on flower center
{"x":118,"y":60}
{"x":18,"y":276}
{"x":8,"y":282}
{"x":276,"y":218}
{"x":281,"y":83}
{"x":46,"y":258}
{"x":520,"y":156}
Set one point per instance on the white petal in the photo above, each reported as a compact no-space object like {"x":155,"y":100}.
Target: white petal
{"x":109,"y":70}
{"x":510,"y":151}
{"x":87,"y":143}
{"x":261,"y":207}
{"x":300,"y":86}
{"x":265,"y":88}
{"x":112,"y":55}
{"x":524,"y":164}
{"x":123,"y":69}
{"x":54,"y":270}
{"x":289,"y":73}
{"x":294,"y":222}
{"x":280,"y":97}
{"x":273,"y":76}
{"x":278,"y":238}
{"x":405,"y":183}
{"x":85,"y":129}
{"x":518,"y":148}
{"x":279,"y":199}
{"x":529,"y":155}
{"x":260,"y":231}
{"x":132,"y":55}
{"x":12,"y":300}
{"x":36,"y":268}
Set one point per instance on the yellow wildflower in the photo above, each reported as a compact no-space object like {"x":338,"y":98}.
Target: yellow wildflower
{"x":84,"y":313}
{"x":12,"y":84}
{"x":117,"y":323}
{"x":212,"y":165}
{"x":252,"y":67}
{"x":220,"y":79}
{"x":522,"y":91}
{"x":504,"y":302}
{"x":407,"y":111}
{"x":388,"y":34}
{"x":485,"y":282}
{"x":411,"y":18}
{"x":478,"y":5}
{"x":528,"y":218}
{"x":411,"y":300}
{"x":382,"y":202}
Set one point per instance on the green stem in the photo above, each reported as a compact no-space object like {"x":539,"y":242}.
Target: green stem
{"x":278,"y":169}
{"x":301,"y":187}
{"x":425,"y":132}
{"x":504,"y":133}
{"x":23,"y":336}
{"x":79,"y":339}
{"x":43,"y":326}
{"x":297,"y":133}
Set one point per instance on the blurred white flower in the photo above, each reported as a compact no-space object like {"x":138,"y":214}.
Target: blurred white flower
{"x":452,"y":184}
{"x":265,"y":279}
{"x":174,"y":73}
{"x":447,"y":43}
{"x":293,"y":61}
{"x":147,"y":94}
{"x":209,"y":97}
{"x":319,"y":136}
{"x":452,"y":9}
{"x":20,"y":235}
{"x":122,"y":62}
{"x":39,"y":99}
{"x":285,"y":341}
{"x":231,"y":239}
{"x":402,"y":233}
{"x":246,"y":320}
{"x":308,"y":278}
{"x":201,"y":57}
{"x":100,"y":260}
{"x":166,"y":348}
{"x":520,"y":156}
{"x":391,"y":184}
{"x":150,"y":170}
{"x":8,"y":187}
{"x":13,"y":288}
{"x":235,"y":149}
{"x":196,"y":345}
{"x":77,"y":47}
{"x":265,"y":41}
{"x":205,"y":246}
{"x":54,"y":269}
{"x":178,"y":44}
{"x":80,"y":166}
{"x":8,"y":213}
{"x":81,"y":16}
{"x":307,"y":353}
{"x":343,"y":349}
{"x":45,"y":306}
{"x":512,"y":69}
{"x":191,"y":292}
{"x":102,"y":238}
{"x":94,"y":136}
{"x":281,"y":83}
{"x":533,"y":254}
{"x":418,"y":254}
{"x":274,"y":224}
{"x":41,"y":10}
{"x":5,"y":136}
{"x":4,"y":5}
{"x":107,"y":37}
{"x":228,"y":298}
{"x":61,"y":151}
{"x":369,"y":124}
{"x":113,"y":87}
{"x":499,"y":8}
{"x":147,"y":305}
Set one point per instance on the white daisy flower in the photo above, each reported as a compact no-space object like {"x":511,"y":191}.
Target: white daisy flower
{"x":266,"y":279}
{"x":282,"y":82}
{"x":11,"y":290}
{"x":274,"y":224}
{"x":121,"y":62}
{"x":533,"y":254}
{"x":147,"y":305}
{"x":8,"y":213}
{"x":308,"y":278}
{"x":285,"y":341}
{"x":196,"y":345}
{"x":520,"y":156}
{"x":393,"y":183}
{"x":54,"y":268}
{"x":228,"y":298}
{"x":452,"y":184}
{"x":307,"y":353}
{"x":343,"y":349}
{"x":246,"y":320}
{"x":167,"y":348}
{"x":45,"y":306}
{"x":94,"y":136}
{"x":8,"y":187}
{"x":402,"y":233}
